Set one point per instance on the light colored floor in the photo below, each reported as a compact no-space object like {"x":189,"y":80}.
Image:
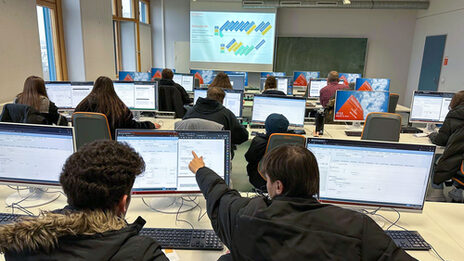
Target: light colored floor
{"x":239,"y":175}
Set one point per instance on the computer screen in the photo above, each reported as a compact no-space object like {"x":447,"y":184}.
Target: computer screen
{"x":33,"y":154}
{"x":185,"y":80}
{"x":348,"y":78}
{"x":275,"y":74}
{"x":303,"y":78}
{"x":233,"y":100}
{"x":138,"y":95}
{"x":229,"y":73}
{"x":80,"y":90}
{"x":429,"y":106}
{"x":284,"y":84}
{"x":356,"y":105}
{"x":315,"y":86}
{"x":293,"y":108}
{"x":372,"y":84}
{"x":372,"y":173}
{"x":167,"y":155}
{"x":204,"y":76}
{"x":67,"y":95}
{"x":237,"y":81}
{"x":134,"y":76}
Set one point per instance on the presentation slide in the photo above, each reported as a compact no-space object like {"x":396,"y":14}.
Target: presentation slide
{"x":232,"y":37}
{"x":355,"y":105}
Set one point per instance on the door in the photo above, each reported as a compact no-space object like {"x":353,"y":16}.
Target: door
{"x":431,"y":62}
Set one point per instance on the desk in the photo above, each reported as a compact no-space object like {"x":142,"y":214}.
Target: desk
{"x":402,"y":109}
{"x":434,"y":224}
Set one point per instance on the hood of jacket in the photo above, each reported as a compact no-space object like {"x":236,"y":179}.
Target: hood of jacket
{"x":457,"y":113}
{"x":207,"y":106}
{"x":166,"y":82}
{"x":43,"y":232}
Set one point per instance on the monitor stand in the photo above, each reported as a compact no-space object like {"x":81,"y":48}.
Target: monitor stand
{"x":170,"y":204}
{"x":430,"y":127}
{"x":31,"y":197}
{"x":137,"y":115}
{"x":356,"y":126}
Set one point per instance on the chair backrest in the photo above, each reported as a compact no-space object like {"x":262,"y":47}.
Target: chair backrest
{"x":196,"y":83}
{"x":382,"y":126}
{"x":21,"y":113}
{"x":170,"y":99}
{"x":90,"y":126}
{"x":198,"y":124}
{"x":393,"y":101}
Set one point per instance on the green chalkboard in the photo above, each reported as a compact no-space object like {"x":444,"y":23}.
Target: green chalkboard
{"x":320,"y":54}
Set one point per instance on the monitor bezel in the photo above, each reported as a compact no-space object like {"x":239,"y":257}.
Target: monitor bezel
{"x":156,"y":98}
{"x":33,"y":183}
{"x":381,"y":145}
{"x":146,"y":192}
{"x":277,"y":97}
{"x":411,"y":120}
{"x":363,"y":120}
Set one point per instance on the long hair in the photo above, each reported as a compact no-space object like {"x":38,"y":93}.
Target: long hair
{"x":457,"y":100}
{"x":108,"y":102}
{"x":270,"y":83}
{"x":221,"y":80}
{"x":33,"y":91}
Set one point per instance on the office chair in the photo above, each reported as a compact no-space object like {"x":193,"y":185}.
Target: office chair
{"x":196,"y":83}
{"x":393,"y":102}
{"x":278,"y":139}
{"x":198,"y":124}
{"x":21,"y":113}
{"x":90,"y":126}
{"x":382,"y":126}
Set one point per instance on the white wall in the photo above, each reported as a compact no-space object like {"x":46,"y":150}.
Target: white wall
{"x":19,"y":46}
{"x":128,"y":52}
{"x":443,"y":17}
{"x":72,"y":29}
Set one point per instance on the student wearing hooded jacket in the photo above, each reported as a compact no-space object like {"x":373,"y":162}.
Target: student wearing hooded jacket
{"x":166,"y":80}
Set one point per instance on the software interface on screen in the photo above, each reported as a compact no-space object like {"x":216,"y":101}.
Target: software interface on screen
{"x":33,"y":154}
{"x":430,"y":106}
{"x":315,"y":86}
{"x":67,"y":95}
{"x":372,"y":84}
{"x":356,"y":105}
{"x":237,"y":82}
{"x":232,"y":101}
{"x":137,"y":95}
{"x":184,"y":80}
{"x":373,"y":173}
{"x":167,"y":155}
{"x":293,"y":108}
{"x":229,"y":73}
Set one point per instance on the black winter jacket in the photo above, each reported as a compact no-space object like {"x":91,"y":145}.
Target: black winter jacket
{"x":170,"y":83}
{"x":275,"y":92}
{"x":254,"y":155}
{"x":449,"y":164}
{"x":291,"y":228}
{"x":454,"y":120}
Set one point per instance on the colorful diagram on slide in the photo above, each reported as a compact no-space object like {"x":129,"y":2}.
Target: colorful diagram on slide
{"x":355,"y":105}
{"x":232,"y":37}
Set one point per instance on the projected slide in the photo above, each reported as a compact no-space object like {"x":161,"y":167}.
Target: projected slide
{"x":355,"y":105}
{"x":232,"y":37}
{"x":365,"y":84}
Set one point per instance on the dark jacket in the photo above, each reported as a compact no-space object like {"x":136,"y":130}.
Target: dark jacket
{"x":449,"y":164}
{"x":170,"y":83}
{"x":291,"y":228}
{"x":254,"y":155}
{"x":49,"y":111}
{"x":214,"y":111}
{"x":274,"y":92}
{"x":89,"y":104}
{"x":170,"y":99}
{"x":76,"y":235}
{"x":20,"y":113}
{"x":454,"y":120}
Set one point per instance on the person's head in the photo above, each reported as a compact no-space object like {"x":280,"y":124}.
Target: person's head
{"x":457,"y":100}
{"x":276,"y":123}
{"x":33,"y":91}
{"x":291,"y":171}
{"x":333,"y":77}
{"x":270,"y":83}
{"x":167,"y":74}
{"x":100,"y":176}
{"x":221,"y":80}
{"x":216,"y":93}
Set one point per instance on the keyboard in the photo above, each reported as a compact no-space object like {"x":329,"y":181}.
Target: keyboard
{"x":353,"y":133}
{"x":408,"y":240}
{"x":257,"y":126}
{"x":6,"y":218}
{"x":172,"y":238}
{"x":411,"y":130}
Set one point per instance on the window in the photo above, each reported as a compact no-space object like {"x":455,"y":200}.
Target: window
{"x":127,"y":8}
{"x":143,"y":12}
{"x":51,"y":41}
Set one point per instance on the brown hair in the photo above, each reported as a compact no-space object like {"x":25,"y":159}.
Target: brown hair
{"x":457,"y":100}
{"x":167,"y":74}
{"x":216,"y":93}
{"x":296,"y":167}
{"x":333,"y":77}
{"x":34,"y":88}
{"x":221,"y":80}
{"x":271,"y":83}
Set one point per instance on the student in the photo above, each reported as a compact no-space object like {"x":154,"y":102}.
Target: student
{"x":166,"y":80}
{"x":270,"y":86}
{"x":454,"y":120}
{"x":221,"y":80}
{"x":97,"y":181}
{"x":103,"y":99}
{"x":211,"y":108}
{"x":328,"y":92}
{"x":292,"y":224}
{"x":275,"y":123}
{"x":35,"y":95}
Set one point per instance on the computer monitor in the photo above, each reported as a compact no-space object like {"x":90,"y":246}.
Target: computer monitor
{"x":156,"y":73}
{"x":372,"y":84}
{"x":284,"y":84}
{"x":237,"y":82}
{"x":430,"y":107}
{"x":67,"y":95}
{"x":167,"y":155}
{"x":356,"y":105}
{"x":232,"y":101}
{"x":204,"y":76}
{"x":348,"y":78}
{"x":275,"y":74}
{"x":80,"y":90}
{"x":138,"y":96}
{"x":302,"y":78}
{"x":134,"y":76}
{"x":184,"y":80}
{"x":293,"y":108}
{"x":367,"y":173}
{"x":315,"y":86}
{"x":229,"y":73}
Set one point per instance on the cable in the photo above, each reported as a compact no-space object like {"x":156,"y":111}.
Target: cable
{"x":168,"y":212}
{"x":396,"y":221}
{"x":436,"y":252}
{"x":182,"y":220}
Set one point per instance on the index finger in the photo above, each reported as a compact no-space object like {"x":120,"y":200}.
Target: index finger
{"x":194,"y":155}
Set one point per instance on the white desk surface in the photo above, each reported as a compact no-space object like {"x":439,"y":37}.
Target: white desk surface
{"x":440,"y":224}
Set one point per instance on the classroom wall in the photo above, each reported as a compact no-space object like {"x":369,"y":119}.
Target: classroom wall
{"x":443,"y":17}
{"x":72,"y":29}
{"x":19,"y":46}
